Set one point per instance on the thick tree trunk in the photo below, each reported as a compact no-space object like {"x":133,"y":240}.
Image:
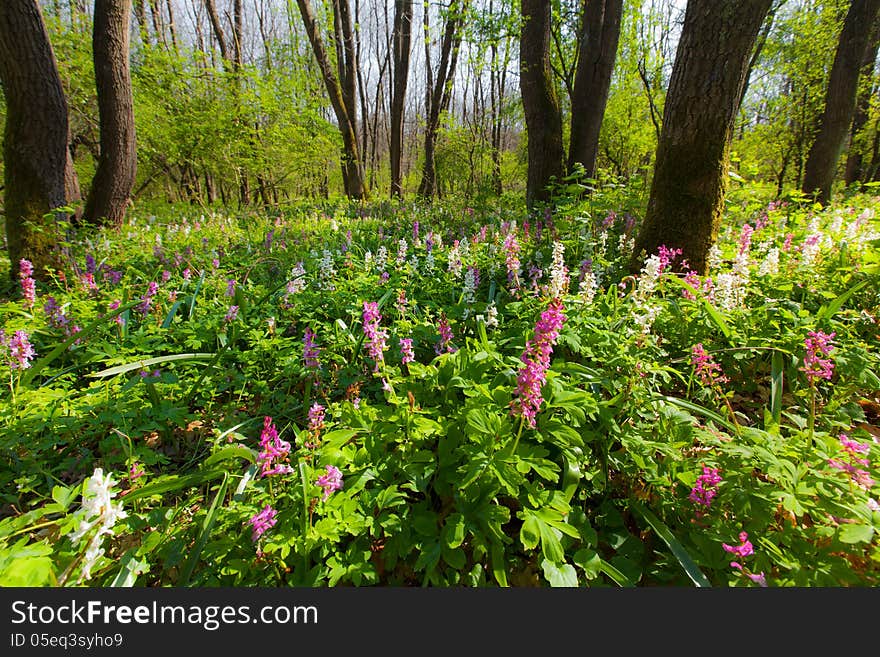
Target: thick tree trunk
{"x":117,"y":166}
{"x":36,"y":158}
{"x":541,"y":106}
{"x":600,"y":34}
{"x":855,"y":161}
{"x":690,"y":174}
{"x":402,"y":35}
{"x":840,"y":99}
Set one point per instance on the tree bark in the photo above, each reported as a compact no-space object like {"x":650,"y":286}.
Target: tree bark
{"x":840,"y":99}
{"x":693,"y":154}
{"x":599,"y":37}
{"x":341,"y":97}
{"x":402,"y":35}
{"x":117,"y":165}
{"x":855,"y":165}
{"x":540,"y":103}
{"x":37,"y":171}
{"x":438,"y":92}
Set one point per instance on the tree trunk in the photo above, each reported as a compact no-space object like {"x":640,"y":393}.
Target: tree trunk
{"x":597,"y":52}
{"x":855,"y":166}
{"x":438,"y":92}
{"x":339,"y":89}
{"x":840,"y":99}
{"x":402,"y":35}
{"x":693,"y":154}
{"x":117,"y":166}
{"x":35,"y":154}
{"x":541,"y":106}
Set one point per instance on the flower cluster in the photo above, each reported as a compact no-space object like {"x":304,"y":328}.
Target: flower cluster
{"x":273,"y":451}
{"x":706,"y":488}
{"x":330,"y":482}
{"x":707,"y":370}
{"x":855,"y":454}
{"x":406,"y":351}
{"x":816,"y":363}
{"x":744,"y":549}
{"x":262,"y":522}
{"x":28,"y":284}
{"x":536,"y":362}
{"x":20,"y":351}
{"x":375,"y":336}
{"x":558,"y":273}
{"x":97,"y":511}
{"x":147,"y":299}
{"x":444,"y":345}
{"x":310,"y":350}
{"x":231,"y":314}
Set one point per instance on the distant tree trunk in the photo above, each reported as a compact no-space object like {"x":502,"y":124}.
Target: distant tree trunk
{"x":438,"y":91}
{"x":341,"y":89}
{"x":840,"y":99}
{"x":855,"y":166}
{"x":37,"y":172}
{"x":599,"y":36}
{"x":117,"y":166}
{"x":693,"y":154}
{"x":541,"y":106}
{"x":402,"y":35}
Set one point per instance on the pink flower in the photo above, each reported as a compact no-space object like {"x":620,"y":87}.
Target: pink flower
{"x":706,"y":488}
{"x":231,"y":314}
{"x":818,"y":345}
{"x":20,"y":351}
{"x":263,"y":521}
{"x":536,"y":362}
{"x":310,"y":350}
{"x":316,"y":418}
{"x":330,"y":482}
{"x":745,"y":548}
{"x":274,"y":451}
{"x":708,"y":371}
{"x":374,"y":335}
{"x":444,"y":344}
{"x":25,"y":268}
{"x":406,"y":350}
{"x":230,"y":287}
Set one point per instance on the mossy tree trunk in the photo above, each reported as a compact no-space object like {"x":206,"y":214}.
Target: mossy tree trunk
{"x":540,"y":103}
{"x":693,"y":154}
{"x":840,"y":99}
{"x":37,"y":165}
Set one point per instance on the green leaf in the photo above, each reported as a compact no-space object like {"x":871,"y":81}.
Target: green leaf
{"x":559,"y":576}
{"x":827,"y":311}
{"x":679,"y":552}
{"x":147,"y":362}
{"x":454,"y":531}
{"x":173,"y":483}
{"x":129,"y":569}
{"x":204,"y":534}
{"x":231,"y":452}
{"x":856,"y":533}
{"x":777,"y":382}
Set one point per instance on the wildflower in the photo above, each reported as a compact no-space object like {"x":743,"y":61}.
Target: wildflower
{"x":310,"y":349}
{"x":729,"y":291}
{"x":492,"y":316}
{"x":28,"y":284}
{"x":856,"y":453}
{"x":187,"y":274}
{"x":536,"y":362}
{"x":745,"y":238}
{"x":326,"y":270}
{"x":231,"y":314}
{"x":230,"y":287}
{"x":810,"y":250}
{"x":706,"y":487}
{"x":136,"y":471}
{"x":770,"y":264}
{"x":650,"y":274}
{"x":444,"y":344}
{"x":114,"y":305}
{"x":786,"y":246}
{"x":330,"y":482}
{"x":274,"y":451}
{"x":692,"y":278}
{"x":401,"y":252}
{"x":262,"y":522}
{"x":25,"y":268}
{"x":406,"y":351}
{"x":400,"y":305}
{"x":146,"y":299}
{"x":375,"y":336}
{"x":97,"y":511}
{"x":56,"y":316}
{"x":714,"y":260}
{"x":818,"y":346}
{"x":708,"y":371}
{"x":21,"y":352}
{"x":469,"y":291}
{"x":558,"y":272}
{"x":744,"y":549}
{"x":453,"y":260}
{"x":316,"y":418}
{"x":667,"y":256}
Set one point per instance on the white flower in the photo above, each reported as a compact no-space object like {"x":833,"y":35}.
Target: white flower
{"x":588,"y":287}
{"x":649,"y":276}
{"x":97,"y":511}
{"x":714,"y":258}
{"x":558,"y":272}
{"x":491,"y":316}
{"x":770,"y":264}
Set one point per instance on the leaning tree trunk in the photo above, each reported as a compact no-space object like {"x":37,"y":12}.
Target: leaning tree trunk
{"x":840,"y":99}
{"x":117,"y":166}
{"x":592,"y":81}
{"x":541,"y":106}
{"x":37,"y":164}
{"x":693,"y":154}
{"x":403,"y":14}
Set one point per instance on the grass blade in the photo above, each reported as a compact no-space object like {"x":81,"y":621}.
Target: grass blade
{"x":826,"y":312}
{"x":679,"y":552}
{"x":143,"y":364}
{"x":777,"y":382}
{"x":204,"y":534}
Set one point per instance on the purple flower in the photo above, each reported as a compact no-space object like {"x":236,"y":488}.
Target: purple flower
{"x":166,"y":276}
{"x":263,"y":521}
{"x":445,"y":342}
{"x":21,"y":352}
{"x":330,"y":482}
{"x":667,"y":257}
{"x":536,"y":362}
{"x":56,"y":316}
{"x":230,"y":287}
{"x":25,"y":268}
{"x":744,"y":549}
{"x":316,"y":418}
{"x":708,"y":371}
{"x":231,"y":314}
{"x":406,"y":350}
{"x":310,"y":350}
{"x":374,"y":335}
{"x":816,"y":366}
{"x":273,"y":449}
{"x":147,"y":299}
{"x":706,"y":488}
